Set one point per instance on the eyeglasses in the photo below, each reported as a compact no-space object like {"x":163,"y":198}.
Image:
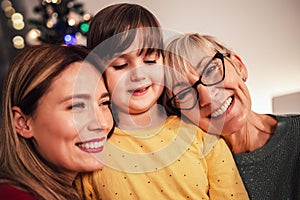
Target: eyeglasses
{"x":212,"y":74}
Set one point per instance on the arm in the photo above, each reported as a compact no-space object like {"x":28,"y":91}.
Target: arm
{"x":224,"y":179}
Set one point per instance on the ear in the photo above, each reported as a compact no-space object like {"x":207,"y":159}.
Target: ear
{"x":21,"y":123}
{"x":240,"y":67}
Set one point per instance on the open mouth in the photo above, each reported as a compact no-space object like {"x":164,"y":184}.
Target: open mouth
{"x":222,"y":109}
{"x":92,"y":146}
{"x":139,"y":91}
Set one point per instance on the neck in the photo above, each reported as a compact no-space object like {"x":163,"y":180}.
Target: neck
{"x":253,"y":135}
{"x":156,"y":116}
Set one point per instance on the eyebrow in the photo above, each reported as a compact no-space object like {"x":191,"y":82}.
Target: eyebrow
{"x":180,"y":83}
{"x":200,"y":63}
{"x":76,"y":96}
{"x":84,"y":96}
{"x":104,"y":95}
{"x":139,"y":51}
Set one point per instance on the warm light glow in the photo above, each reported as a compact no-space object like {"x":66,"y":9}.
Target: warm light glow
{"x":32,"y":37}
{"x":17,"y":16}
{"x":56,"y":1}
{"x":86,"y":17}
{"x":5,"y":4}
{"x":80,"y":38}
{"x":18,"y":42}
{"x":71,"y":22}
{"x":9,"y":11}
{"x":34,"y":33}
{"x":18,"y":24}
{"x":49,"y":24}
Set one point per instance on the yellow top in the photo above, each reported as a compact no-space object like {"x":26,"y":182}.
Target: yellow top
{"x":175,"y":161}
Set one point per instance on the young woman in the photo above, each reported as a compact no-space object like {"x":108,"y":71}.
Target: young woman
{"x":56,"y":120}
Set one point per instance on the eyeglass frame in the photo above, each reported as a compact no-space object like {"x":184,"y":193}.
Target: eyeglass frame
{"x":199,"y":81}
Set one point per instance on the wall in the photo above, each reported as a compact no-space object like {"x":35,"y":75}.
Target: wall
{"x":264,"y":33}
{"x":282,"y":105}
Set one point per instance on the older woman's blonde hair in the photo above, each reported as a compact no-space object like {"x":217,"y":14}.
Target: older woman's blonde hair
{"x":180,"y":53}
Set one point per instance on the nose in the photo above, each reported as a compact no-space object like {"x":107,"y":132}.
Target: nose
{"x":137,"y":74}
{"x":101,"y":121}
{"x":206,"y":94}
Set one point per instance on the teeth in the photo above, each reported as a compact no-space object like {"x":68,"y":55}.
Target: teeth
{"x":141,"y":89}
{"x":91,"y":145}
{"x":223,"y":108}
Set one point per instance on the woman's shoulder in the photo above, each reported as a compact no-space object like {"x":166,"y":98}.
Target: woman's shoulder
{"x":288,"y":122}
{"x":10,"y":192}
{"x":287,"y":117}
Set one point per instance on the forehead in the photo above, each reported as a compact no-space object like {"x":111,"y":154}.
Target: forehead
{"x":78,"y":77}
{"x":87,"y":78}
{"x":197,"y":54}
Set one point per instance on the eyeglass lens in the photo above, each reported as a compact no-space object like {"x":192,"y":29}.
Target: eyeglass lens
{"x":212,"y":74}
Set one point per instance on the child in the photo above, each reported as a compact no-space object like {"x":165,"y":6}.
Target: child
{"x":150,"y":155}
{"x":53,"y":126}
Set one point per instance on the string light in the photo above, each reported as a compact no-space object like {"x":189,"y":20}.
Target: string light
{"x":32,"y":37}
{"x":70,"y":39}
{"x":17,"y":22}
{"x":18,"y":42}
{"x":65,"y":23}
{"x":62,"y":22}
{"x":84,"y":27}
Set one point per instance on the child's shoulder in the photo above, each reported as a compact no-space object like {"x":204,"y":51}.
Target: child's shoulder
{"x":182,"y":127}
{"x":174,"y":121}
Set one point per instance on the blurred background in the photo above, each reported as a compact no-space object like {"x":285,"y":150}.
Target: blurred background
{"x":264,"y":33}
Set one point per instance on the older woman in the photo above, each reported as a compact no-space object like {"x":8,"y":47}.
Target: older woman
{"x":209,"y":89}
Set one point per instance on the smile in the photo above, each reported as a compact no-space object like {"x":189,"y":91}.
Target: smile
{"x":93,"y":146}
{"x":222,"y":109}
{"x":139,"y":91}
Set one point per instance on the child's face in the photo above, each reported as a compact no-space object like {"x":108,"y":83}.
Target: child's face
{"x":73,"y":120}
{"x":135,"y":81}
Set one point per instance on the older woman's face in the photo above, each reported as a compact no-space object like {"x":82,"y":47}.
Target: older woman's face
{"x":73,"y":119}
{"x":223,"y":107}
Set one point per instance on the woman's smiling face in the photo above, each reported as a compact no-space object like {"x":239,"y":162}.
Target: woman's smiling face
{"x":73,"y":119}
{"x":223,"y":107}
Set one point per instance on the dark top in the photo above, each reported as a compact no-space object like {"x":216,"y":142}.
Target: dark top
{"x":8,"y":192}
{"x":272,"y":172}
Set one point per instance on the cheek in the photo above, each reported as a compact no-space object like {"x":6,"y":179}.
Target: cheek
{"x":53,"y":136}
{"x":59,"y":128}
{"x":114,"y":81}
{"x":109,"y":119}
{"x":193,"y":115}
{"x":157,"y":75}
{"x":244,"y":96}
{"x":232,"y":76}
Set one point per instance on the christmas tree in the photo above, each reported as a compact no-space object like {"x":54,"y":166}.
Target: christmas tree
{"x":60,"y":22}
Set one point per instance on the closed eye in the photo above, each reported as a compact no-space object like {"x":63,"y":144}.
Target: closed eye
{"x":105,"y":103}
{"x":119,"y":67}
{"x":150,"y":62}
